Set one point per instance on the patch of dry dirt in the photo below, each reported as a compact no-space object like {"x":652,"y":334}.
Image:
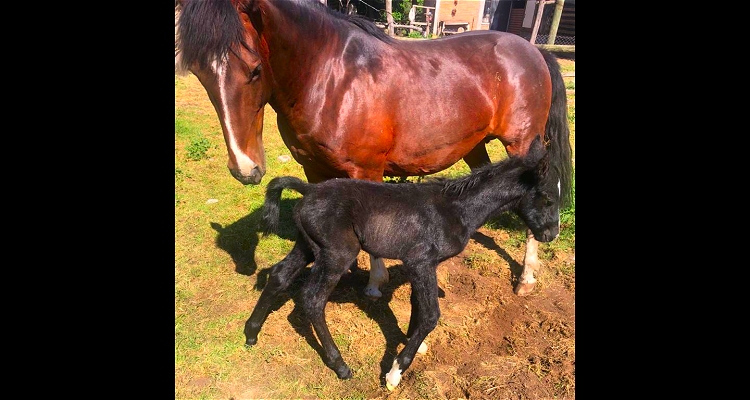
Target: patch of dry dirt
{"x":489,"y":342}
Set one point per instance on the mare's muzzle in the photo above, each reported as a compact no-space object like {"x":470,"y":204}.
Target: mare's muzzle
{"x":252,"y":179}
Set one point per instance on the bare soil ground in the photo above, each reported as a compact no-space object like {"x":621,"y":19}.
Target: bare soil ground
{"x":489,"y":343}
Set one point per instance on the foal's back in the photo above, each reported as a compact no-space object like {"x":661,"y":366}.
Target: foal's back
{"x":386,"y":220}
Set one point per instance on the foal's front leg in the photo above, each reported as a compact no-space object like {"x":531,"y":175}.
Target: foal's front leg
{"x":281,"y":276}
{"x":424,"y":289}
{"x":324,"y":276}
{"x":527,"y":282}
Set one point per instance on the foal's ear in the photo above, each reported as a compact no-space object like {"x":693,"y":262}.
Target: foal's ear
{"x":539,"y":155}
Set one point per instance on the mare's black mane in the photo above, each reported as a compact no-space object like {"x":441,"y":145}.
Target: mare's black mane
{"x":209,"y":30}
{"x":312,"y":8}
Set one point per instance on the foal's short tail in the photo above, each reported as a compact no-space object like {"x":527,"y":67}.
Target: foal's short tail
{"x":273,"y":199}
{"x":557,"y":133}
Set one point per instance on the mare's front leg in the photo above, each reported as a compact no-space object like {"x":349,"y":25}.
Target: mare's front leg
{"x":425,"y":306}
{"x":281,"y":276}
{"x":527,"y":282}
{"x":329,"y":266}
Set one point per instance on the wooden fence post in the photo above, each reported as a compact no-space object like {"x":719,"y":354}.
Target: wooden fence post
{"x":555,"y":21}
{"x":538,"y":21}
{"x":389,"y":16}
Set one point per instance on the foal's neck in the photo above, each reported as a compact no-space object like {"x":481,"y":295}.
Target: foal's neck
{"x":479,"y":204}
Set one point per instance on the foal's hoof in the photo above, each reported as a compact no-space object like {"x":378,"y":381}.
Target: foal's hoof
{"x":373,"y":293}
{"x":251,"y":341}
{"x":523,"y":289}
{"x":344,"y":372}
{"x":422,"y":348}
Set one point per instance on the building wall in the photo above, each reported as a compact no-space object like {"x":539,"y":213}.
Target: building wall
{"x":460,"y":11}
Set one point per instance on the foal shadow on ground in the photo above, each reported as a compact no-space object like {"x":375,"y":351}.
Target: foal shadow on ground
{"x":240,"y":238}
{"x":515,"y":267}
{"x":349,"y":290}
{"x":509,"y":222}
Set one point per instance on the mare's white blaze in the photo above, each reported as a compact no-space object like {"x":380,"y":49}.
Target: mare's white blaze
{"x":244,"y":164}
{"x":393,"y":378}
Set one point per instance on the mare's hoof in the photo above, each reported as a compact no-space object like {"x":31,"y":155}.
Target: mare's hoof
{"x":344,"y":372}
{"x":373,"y":293}
{"x":389,"y":386}
{"x":251,"y":341}
{"x":524,"y":289}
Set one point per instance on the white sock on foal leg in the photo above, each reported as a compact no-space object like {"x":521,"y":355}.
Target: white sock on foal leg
{"x":393,"y":378}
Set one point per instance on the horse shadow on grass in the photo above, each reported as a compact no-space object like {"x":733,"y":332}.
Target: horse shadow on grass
{"x":240,"y":240}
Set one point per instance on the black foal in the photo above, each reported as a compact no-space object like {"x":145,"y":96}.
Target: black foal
{"x":421,"y":224}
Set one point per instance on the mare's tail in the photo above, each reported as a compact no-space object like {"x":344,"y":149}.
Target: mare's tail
{"x":557,"y":133}
{"x":273,"y":199}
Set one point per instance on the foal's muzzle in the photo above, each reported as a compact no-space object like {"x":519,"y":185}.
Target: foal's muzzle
{"x":252,"y":179}
{"x":547,"y":235}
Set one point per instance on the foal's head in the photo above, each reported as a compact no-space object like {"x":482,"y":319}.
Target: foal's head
{"x":539,"y":208}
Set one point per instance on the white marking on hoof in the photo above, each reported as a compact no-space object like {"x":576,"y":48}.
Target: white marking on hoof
{"x":393,"y":378}
{"x":422,"y":348}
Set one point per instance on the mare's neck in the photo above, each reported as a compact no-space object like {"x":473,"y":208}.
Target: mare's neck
{"x":299,"y":42}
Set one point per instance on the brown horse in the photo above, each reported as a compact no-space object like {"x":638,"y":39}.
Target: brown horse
{"x":353,"y":102}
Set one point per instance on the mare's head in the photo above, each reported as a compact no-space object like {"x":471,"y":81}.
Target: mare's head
{"x":539,"y":208}
{"x":219,"y":46}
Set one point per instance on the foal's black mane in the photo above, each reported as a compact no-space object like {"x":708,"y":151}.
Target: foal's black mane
{"x":513,"y":171}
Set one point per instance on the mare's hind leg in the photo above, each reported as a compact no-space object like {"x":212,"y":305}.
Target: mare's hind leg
{"x":531,"y":264}
{"x":378,"y":277}
{"x":329,"y":266}
{"x":423,"y":278}
{"x":281,"y":276}
{"x":477,"y":156}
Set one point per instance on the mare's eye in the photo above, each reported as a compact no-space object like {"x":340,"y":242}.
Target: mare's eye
{"x":256,"y":73}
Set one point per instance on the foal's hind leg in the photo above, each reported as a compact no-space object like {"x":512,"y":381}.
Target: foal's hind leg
{"x":531,"y":264}
{"x":281,"y":276}
{"x":329,"y":266}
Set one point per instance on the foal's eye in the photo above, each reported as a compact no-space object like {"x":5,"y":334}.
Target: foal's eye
{"x":544,"y":201}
